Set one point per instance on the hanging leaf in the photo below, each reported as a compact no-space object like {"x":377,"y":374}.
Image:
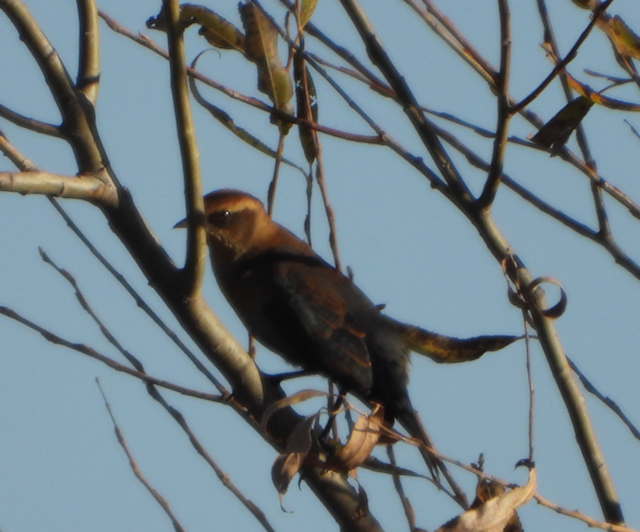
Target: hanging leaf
{"x":362,"y":440}
{"x":218,"y":31}
{"x":307,"y":106}
{"x":261,"y":47}
{"x":556,"y":132}
{"x":287,"y":464}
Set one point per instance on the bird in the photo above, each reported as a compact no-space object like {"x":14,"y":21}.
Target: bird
{"x":304,"y":309}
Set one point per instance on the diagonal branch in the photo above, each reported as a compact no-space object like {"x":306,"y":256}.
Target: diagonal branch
{"x":29,"y":123}
{"x":92,"y":353}
{"x":134,"y":467}
{"x":421,"y":124}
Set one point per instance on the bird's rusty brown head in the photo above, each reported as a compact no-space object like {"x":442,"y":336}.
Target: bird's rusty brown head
{"x":234,"y":221}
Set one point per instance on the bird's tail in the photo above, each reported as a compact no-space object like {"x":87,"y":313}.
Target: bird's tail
{"x":410,"y":420}
{"x":449,"y":350}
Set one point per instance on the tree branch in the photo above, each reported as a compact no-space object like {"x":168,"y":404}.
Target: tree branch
{"x":88,"y":79}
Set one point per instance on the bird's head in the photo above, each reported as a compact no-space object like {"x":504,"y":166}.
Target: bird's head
{"x":236,"y":223}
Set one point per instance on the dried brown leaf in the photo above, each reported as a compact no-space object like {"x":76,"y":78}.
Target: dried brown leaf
{"x":307,"y":106}
{"x":261,"y":47}
{"x":488,"y":489}
{"x":494,"y":514}
{"x":622,"y":37}
{"x":362,"y":440}
{"x":218,"y":31}
{"x":287,"y":464}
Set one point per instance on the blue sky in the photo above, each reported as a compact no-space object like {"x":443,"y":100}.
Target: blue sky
{"x":60,"y":465}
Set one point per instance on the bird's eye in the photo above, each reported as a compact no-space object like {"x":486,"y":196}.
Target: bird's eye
{"x":219,"y":218}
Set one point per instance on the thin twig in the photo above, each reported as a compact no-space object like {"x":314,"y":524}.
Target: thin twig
{"x":15,"y":156}
{"x":88,"y":351}
{"x":597,"y":13}
{"x":444,"y":29}
{"x":134,"y":467}
{"x":30,"y":123}
{"x":580,"y":516}
{"x":406,"y":504}
{"x":222,"y":476}
{"x":581,"y":137}
{"x":328,"y":209}
{"x":621,"y":258}
{"x":156,"y":395}
{"x":421,"y":124}
{"x":502,"y":130}
{"x":606,"y":400}
{"x":253,"y":102}
{"x":139,"y":300}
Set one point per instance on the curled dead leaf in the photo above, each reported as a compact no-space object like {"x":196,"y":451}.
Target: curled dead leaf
{"x":362,"y":440}
{"x":558,"y":309}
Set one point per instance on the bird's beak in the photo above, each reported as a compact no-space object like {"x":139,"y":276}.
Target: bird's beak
{"x":181,"y":224}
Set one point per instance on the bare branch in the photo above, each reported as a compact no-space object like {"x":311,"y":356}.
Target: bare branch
{"x":193,"y":272}
{"x":421,"y":124}
{"x":606,"y":400}
{"x":30,"y":123}
{"x":139,"y":301}
{"x":561,"y":371}
{"x":502,"y":130}
{"x":18,"y":159}
{"x":85,"y":187}
{"x":89,"y":58}
{"x":78,"y":116}
{"x":443,"y":27}
{"x":581,"y":517}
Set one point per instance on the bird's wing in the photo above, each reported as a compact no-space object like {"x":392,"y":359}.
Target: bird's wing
{"x":316,"y":295}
